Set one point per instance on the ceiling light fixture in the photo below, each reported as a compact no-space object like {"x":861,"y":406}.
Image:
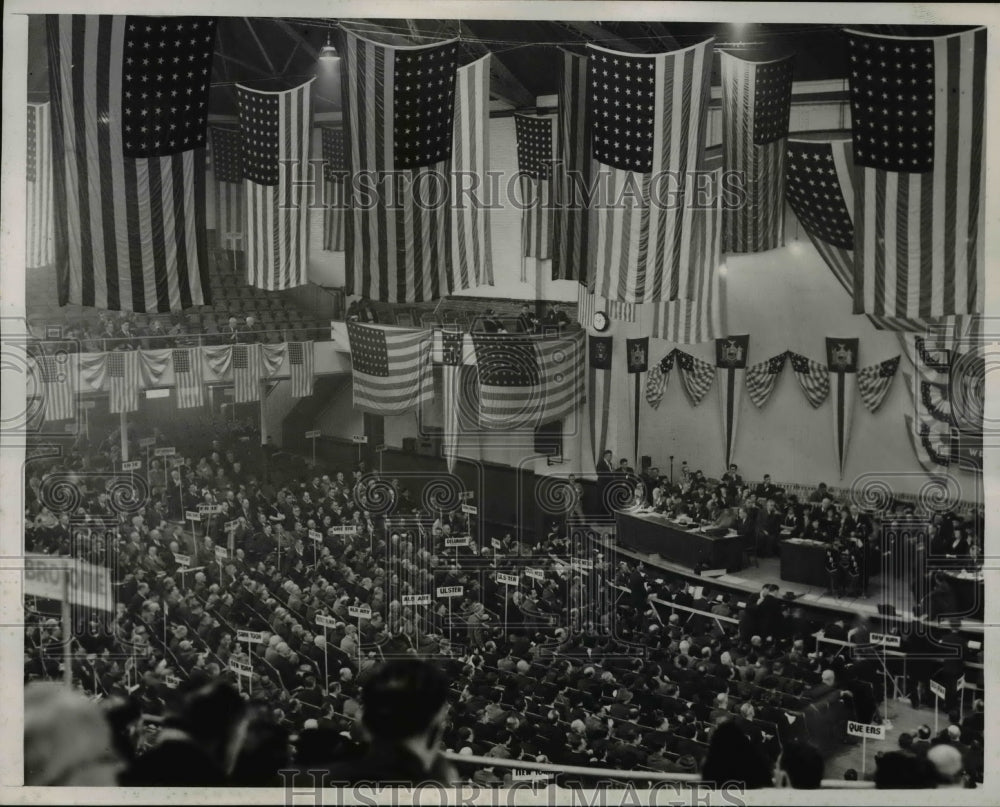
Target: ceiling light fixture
{"x":328,"y":53}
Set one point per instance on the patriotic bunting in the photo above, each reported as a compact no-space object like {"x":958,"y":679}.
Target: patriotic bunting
{"x":731,"y":356}
{"x":762,"y":378}
{"x":813,"y":377}
{"x":123,"y":378}
{"x":40,"y":245}
{"x":246,"y":372}
{"x":656,"y":381}
{"x":59,"y":384}
{"x":874,"y":383}
{"x":449,"y":350}
{"x":301,"y":368}
{"x":696,"y":374}
{"x":842,"y":361}
{"x":189,"y":378}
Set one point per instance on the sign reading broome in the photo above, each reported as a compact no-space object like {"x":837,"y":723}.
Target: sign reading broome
{"x":89,"y":585}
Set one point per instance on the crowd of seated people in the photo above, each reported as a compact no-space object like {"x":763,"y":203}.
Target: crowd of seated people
{"x":548,"y":670}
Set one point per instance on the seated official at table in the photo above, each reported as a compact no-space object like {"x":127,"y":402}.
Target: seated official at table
{"x":723,"y":523}
{"x":639,"y":496}
{"x":792,"y":522}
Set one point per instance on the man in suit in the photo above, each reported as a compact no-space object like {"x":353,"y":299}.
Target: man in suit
{"x":526,"y":321}
{"x":605,"y":473}
{"x":768,"y":529}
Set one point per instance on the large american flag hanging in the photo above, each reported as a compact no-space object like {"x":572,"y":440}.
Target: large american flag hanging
{"x":130,"y":99}
{"x":756,"y":104}
{"x":698,"y":319}
{"x":60,"y":384}
{"x":917,"y":108}
{"x":301,"y":368}
{"x":227,"y":166}
{"x":392,"y":370}
{"x":123,"y":378}
{"x":334,"y":171}
{"x":534,"y":164}
{"x":649,"y":115}
{"x":40,"y":246}
{"x":471,"y":237}
{"x":275,"y":129}
{"x":571,"y":226}
{"x":399,"y":107}
{"x":189,"y":377}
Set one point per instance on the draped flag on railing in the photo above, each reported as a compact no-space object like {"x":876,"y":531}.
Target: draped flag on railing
{"x":399,"y":110}
{"x":246,"y":373}
{"x":275,"y":128}
{"x":731,"y":356}
{"x":448,"y":350}
{"x":813,"y":377}
{"x":656,"y":380}
{"x":648,"y":124}
{"x":189,"y":376}
{"x":391,"y":368}
{"x":535,"y":153}
{"x":334,"y":173}
{"x":40,"y":247}
{"x":123,"y":379}
{"x":129,"y":159}
{"x":573,"y":171}
{"x":59,"y":378}
{"x":917,"y":118}
{"x":301,"y":368}
{"x":230,"y":197}
{"x":470,"y":157}
{"x":842,"y":364}
{"x":697,"y":375}
{"x":762,"y":377}
{"x":756,"y":105}
{"x":599,"y":396}
{"x":874,"y":382}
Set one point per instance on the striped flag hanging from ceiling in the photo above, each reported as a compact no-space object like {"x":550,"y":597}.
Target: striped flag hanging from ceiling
{"x":698,"y":319}
{"x":649,"y":114}
{"x":275,"y":130}
{"x":917,"y":109}
{"x":756,"y":104}
{"x":572,"y":172}
{"x":227,"y":166}
{"x":334,"y":172}
{"x":128,"y":146}
{"x":399,"y":108}
{"x":40,"y":245}
{"x":301,"y":368}
{"x":534,"y":164}
{"x":471,"y":239}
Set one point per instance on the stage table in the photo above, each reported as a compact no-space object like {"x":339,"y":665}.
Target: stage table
{"x":651,"y":532}
{"x":969,"y":593}
{"x":804,"y":561}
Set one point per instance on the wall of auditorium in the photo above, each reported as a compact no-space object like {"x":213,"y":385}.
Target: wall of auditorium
{"x":785,"y":299}
{"x":339,"y":418}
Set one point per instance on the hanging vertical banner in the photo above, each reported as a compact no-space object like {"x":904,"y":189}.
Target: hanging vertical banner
{"x":600,"y":391}
{"x":638,"y":361}
{"x":731,"y":355}
{"x":842,"y":364}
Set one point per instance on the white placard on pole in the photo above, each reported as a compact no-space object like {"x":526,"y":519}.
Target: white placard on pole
{"x":937,"y":689}
{"x":165,"y":451}
{"x":886,"y":639}
{"x":496,"y":543}
{"x":250,"y":636}
{"x":221,"y":553}
{"x":470,"y":509}
{"x":868,"y":730}
{"x":359,"y":611}
{"x":416,"y":599}
{"x":192,"y":515}
{"x":507,"y":579}
{"x":316,"y":535}
{"x":182,"y":560}
{"x":69,"y":580}
{"x":534,"y":574}
{"x":450,"y":591}
{"x":313,"y":434}
{"x":132,"y":465}
{"x":326,"y":621}
{"x":346,"y":529}
{"x":241,"y":668}
{"x":146,"y":442}
{"x":458,"y":540}
{"x":359,"y":439}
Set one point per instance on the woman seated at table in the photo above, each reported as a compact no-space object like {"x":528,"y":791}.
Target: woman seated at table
{"x":658,"y":499}
{"x":958,"y":546}
{"x":639,"y":495}
{"x":792,"y":522}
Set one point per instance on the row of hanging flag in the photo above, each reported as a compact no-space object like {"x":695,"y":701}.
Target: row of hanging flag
{"x":124,"y":374}
{"x":732,"y":372}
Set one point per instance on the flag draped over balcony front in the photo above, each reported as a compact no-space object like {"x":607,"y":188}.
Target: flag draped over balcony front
{"x":246,"y":372}
{"x":391,"y":368}
{"x":301,"y":368}
{"x":123,"y":380}
{"x":189,"y":377}
{"x":917,"y":110}
{"x":762,"y":377}
{"x":128,"y":132}
{"x":470,"y":218}
{"x":648,"y":123}
{"x":731,"y":356}
{"x":535,"y":154}
{"x":698,"y":319}
{"x":527,"y":381}
{"x":448,"y":350}
{"x":40,"y":247}
{"x":756,"y":105}
{"x":399,"y":109}
{"x":572,"y":173}
{"x":275,"y":129}
{"x":230,"y":200}
{"x":59,"y":376}
{"x":656,"y":380}
{"x":334,"y":173}
{"x":842,"y":364}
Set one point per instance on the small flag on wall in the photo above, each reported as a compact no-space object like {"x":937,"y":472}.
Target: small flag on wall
{"x":762,"y":377}
{"x":812,"y":377}
{"x":874,"y":382}
{"x":696,"y":375}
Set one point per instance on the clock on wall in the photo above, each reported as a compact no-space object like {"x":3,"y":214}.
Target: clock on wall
{"x":600,"y":321}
